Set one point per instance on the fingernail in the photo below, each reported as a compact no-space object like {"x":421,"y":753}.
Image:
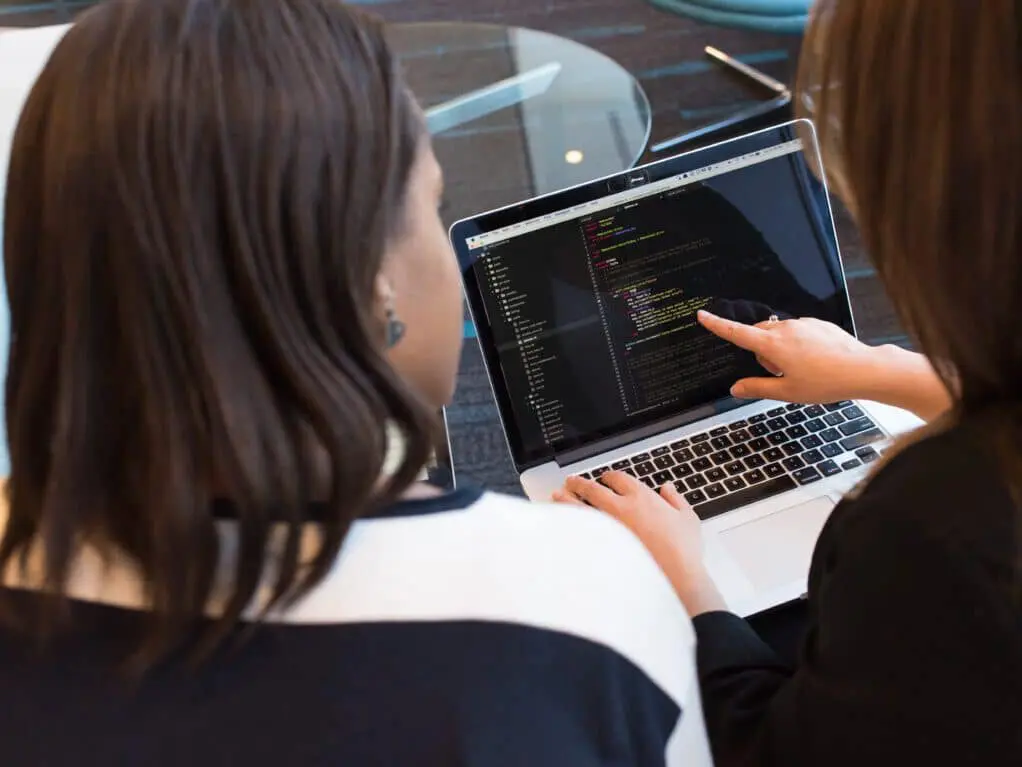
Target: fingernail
{"x":702,"y":314}
{"x":738,"y":390}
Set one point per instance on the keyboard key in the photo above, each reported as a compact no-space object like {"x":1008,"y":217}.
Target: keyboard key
{"x":775,"y":412}
{"x":796,"y":431}
{"x":679,"y":444}
{"x":754,"y":476}
{"x":862,"y":439}
{"x":682,"y":455}
{"x":830,"y":435}
{"x":719,"y":443}
{"x":740,"y":451}
{"x":645,"y":469}
{"x":716,"y":490}
{"x":853,"y":412}
{"x":773,"y":470}
{"x":833,"y":419}
{"x":640,"y":458}
{"x":812,"y":441}
{"x":621,"y":465}
{"x":694,"y":482}
{"x":805,"y":476}
{"x":793,"y":406}
{"x":742,"y":435}
{"x":867,"y":454}
{"x":759,"y":444}
{"x":746,"y":496}
{"x":734,"y":483}
{"x":774,"y":454}
{"x":832,"y":450}
{"x":702,"y":464}
{"x":597,"y":473}
{"x":797,"y":417}
{"x":663,"y":462}
{"x":735,"y":467}
{"x":755,"y":461}
{"x":776,"y":424}
{"x":738,"y":425}
{"x":854,"y":427}
{"x":699,"y":438}
{"x":716,"y":474}
{"x":682,"y":470}
{"x":815,"y":411}
{"x":631,"y":471}
{"x":828,"y":468}
{"x":660,"y":451}
{"x":721,"y":458}
{"x":792,"y":448}
{"x":586,"y":475}
{"x":662,"y":478}
{"x":758,"y":418}
{"x":702,"y":448}
{"x":718,"y":431}
{"x":838,"y":405}
{"x":794,"y":463}
{"x":815,"y":425}
{"x":778,"y":438}
{"x":648,"y":481}
{"x":812,"y":456}
{"x":854,"y":463}
{"x":696,"y":496}
{"x":759,"y":430}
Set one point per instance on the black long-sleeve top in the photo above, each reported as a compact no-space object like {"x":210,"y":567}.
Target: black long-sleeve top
{"x":914,"y":647}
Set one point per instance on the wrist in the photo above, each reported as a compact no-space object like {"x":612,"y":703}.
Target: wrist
{"x":880,"y":378}
{"x":904,"y":379}
{"x":698,"y":593}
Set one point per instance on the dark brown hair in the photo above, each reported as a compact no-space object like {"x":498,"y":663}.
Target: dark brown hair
{"x":918,"y":107}
{"x":199,"y":198}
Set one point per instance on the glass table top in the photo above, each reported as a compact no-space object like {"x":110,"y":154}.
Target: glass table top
{"x":517,"y":113}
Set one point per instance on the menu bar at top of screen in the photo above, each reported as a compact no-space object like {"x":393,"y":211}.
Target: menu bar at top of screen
{"x":612,"y":200}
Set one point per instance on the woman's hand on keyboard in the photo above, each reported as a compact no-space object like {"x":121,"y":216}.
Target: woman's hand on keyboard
{"x":663,"y":522}
{"x":813,"y":361}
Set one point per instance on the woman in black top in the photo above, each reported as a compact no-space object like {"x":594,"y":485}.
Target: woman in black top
{"x":913,"y":646}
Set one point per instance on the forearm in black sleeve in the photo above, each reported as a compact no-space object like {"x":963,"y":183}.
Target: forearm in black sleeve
{"x":738,"y":673}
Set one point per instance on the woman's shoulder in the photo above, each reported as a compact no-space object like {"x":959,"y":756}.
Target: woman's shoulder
{"x":960,"y":459}
{"x":947,"y":486}
{"x":492,"y":557}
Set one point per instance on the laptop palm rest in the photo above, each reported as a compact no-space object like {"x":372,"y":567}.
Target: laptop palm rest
{"x":775,"y":550}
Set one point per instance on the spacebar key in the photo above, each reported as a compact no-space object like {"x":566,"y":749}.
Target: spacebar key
{"x":745,"y":497}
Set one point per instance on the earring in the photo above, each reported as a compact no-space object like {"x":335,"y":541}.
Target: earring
{"x":395,"y":328}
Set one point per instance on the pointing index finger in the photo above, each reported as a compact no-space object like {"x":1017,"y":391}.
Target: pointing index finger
{"x":746,"y":337}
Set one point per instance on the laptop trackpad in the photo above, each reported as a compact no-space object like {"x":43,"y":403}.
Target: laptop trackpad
{"x":775,"y":550}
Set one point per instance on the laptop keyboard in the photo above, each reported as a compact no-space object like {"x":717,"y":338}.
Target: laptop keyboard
{"x":751,"y":459}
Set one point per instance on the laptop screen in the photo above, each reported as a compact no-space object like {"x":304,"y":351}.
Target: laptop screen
{"x":586,"y":311}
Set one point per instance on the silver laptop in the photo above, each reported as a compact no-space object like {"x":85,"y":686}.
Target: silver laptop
{"x":585,"y":306}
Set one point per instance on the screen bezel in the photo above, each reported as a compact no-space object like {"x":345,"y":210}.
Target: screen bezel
{"x":473,"y":226}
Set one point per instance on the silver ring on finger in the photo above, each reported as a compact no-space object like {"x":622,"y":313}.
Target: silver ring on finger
{"x":773,"y":319}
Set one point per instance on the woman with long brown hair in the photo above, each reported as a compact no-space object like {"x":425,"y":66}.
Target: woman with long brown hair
{"x":234,"y":316}
{"x":913,"y":621}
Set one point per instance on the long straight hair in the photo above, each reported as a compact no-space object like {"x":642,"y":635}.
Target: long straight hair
{"x":918,"y":107}
{"x":199,"y":198}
